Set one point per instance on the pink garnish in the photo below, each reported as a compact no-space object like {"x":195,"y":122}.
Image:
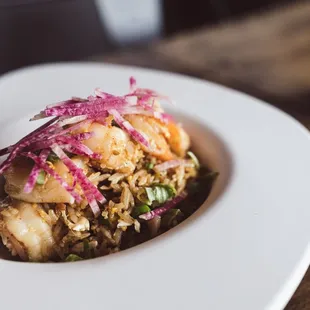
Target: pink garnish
{"x":38,"y":161}
{"x":83,"y":136}
{"x":132,"y":84}
{"x":59,"y":134}
{"x":67,"y":140}
{"x":90,"y":190}
{"x":32,"y":179}
{"x":128,"y":128}
{"x":173,"y":164}
{"x":168,"y":205}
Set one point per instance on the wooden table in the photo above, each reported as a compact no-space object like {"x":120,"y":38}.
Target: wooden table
{"x":267,"y":56}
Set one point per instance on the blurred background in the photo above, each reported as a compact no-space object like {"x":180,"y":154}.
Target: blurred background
{"x":37,"y":31}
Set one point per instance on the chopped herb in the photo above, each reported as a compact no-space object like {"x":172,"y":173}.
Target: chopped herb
{"x":149,"y":166}
{"x":150,"y":195}
{"x":73,"y":258}
{"x":171,"y":190}
{"x":41,"y":177}
{"x":194,"y":159}
{"x":159,"y":193}
{"x":140,"y":209}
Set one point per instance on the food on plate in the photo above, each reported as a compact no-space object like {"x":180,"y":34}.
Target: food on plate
{"x":105,"y":173}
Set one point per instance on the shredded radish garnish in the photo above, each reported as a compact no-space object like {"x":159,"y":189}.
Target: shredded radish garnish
{"x":32,"y":179}
{"x":132,"y":84}
{"x":127,"y":127}
{"x":59,"y":134}
{"x":38,"y":161}
{"x":90,"y":190}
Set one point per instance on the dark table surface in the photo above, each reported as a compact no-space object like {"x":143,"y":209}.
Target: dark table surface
{"x":267,"y":56}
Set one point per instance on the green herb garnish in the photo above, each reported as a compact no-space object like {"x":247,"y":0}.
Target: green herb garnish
{"x":193,"y":187}
{"x":73,"y":258}
{"x":159,"y":193}
{"x":41,"y":177}
{"x":140,"y":209}
{"x":149,"y":166}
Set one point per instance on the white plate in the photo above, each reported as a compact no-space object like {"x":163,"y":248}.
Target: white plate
{"x":248,"y":251}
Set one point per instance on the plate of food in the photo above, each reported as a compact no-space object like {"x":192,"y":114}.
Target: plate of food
{"x":131,"y":188}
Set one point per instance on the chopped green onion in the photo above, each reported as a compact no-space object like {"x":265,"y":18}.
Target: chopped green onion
{"x":194,"y":159}
{"x":149,"y":166}
{"x":41,"y":177}
{"x":150,"y":195}
{"x":140,"y":209}
{"x":171,"y":190}
{"x":52,"y":157}
{"x":159,"y":193}
{"x":73,"y":258}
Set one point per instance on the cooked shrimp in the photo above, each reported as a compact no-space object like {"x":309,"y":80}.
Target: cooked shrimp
{"x":163,"y":138}
{"x":50,"y":192}
{"x":25,"y":233}
{"x":118,"y":151}
{"x":179,"y":140}
{"x":157,"y":134}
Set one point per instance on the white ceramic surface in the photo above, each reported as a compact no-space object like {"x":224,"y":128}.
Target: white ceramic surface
{"x":247,"y":252}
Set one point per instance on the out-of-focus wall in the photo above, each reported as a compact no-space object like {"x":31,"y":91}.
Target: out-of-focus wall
{"x":41,"y":31}
{"x":36,"y":31}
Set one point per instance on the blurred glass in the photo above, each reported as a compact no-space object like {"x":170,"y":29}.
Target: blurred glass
{"x":133,"y":21}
